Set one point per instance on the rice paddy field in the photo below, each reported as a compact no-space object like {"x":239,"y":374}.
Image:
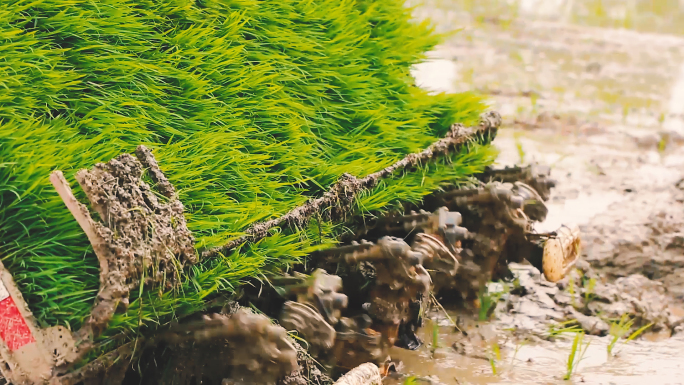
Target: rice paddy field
{"x":595,"y":89}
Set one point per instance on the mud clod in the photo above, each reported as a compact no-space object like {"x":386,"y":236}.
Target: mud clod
{"x":148,"y":161}
{"x":534,"y":303}
{"x":138,"y":239}
{"x":308,"y":373}
{"x":244,"y":348}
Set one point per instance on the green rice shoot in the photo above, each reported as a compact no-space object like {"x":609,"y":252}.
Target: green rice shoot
{"x":250,"y":107}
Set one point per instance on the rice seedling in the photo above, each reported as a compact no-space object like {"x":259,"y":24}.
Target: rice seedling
{"x":564,"y":328}
{"x":594,"y":168}
{"x":560,"y":159}
{"x":620,"y":328}
{"x":435,"y":337}
{"x":598,"y":9}
{"x":638,"y":332}
{"x":410,"y":381}
{"x":520,"y":110}
{"x":251,"y":108}
{"x":617,"y":330}
{"x":560,"y":91}
{"x":516,"y":57}
{"x":518,"y":346}
{"x":468,"y":76}
{"x":577,"y":351}
{"x":589,"y":286}
{"x":661,"y":119}
{"x":446,"y":314}
{"x":305,"y":348}
{"x":494,"y":356}
{"x":662,"y":143}
{"x":534,"y":97}
{"x":625,"y":113}
{"x":488,"y":301}
{"x":519,"y":147}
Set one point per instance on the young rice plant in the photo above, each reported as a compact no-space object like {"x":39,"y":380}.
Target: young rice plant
{"x":250,"y":107}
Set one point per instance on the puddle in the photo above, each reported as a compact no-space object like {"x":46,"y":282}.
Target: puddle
{"x":577,"y":211}
{"x":436,"y":75}
{"x":520,"y":362}
{"x":633,"y":363}
{"x":675,"y":122}
{"x":444,"y":362}
{"x":541,"y":7}
{"x":676,"y":104}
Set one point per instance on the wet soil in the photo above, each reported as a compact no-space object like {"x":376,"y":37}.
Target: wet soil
{"x":605,"y":108}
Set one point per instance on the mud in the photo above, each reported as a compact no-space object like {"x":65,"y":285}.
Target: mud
{"x":609,"y":284}
{"x":472,"y":359}
{"x":533,"y":304}
{"x":138,"y":239}
{"x":604,"y":108}
{"x":635,"y":203}
{"x":629,"y":208}
{"x":239,"y":348}
{"x":309,"y":372}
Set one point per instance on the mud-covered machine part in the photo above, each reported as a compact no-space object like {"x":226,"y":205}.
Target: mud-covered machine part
{"x":142,"y":239}
{"x":447,"y":254}
{"x":138,"y":236}
{"x":337,"y":342}
{"x":240,"y":348}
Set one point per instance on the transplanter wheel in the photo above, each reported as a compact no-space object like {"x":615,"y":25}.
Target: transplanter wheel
{"x":561,"y":253}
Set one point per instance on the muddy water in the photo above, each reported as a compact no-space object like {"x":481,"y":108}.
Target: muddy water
{"x":605,"y":108}
{"x":524,"y":362}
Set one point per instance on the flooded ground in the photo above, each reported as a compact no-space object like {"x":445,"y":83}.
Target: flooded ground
{"x":529,"y":362}
{"x":605,"y":108}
